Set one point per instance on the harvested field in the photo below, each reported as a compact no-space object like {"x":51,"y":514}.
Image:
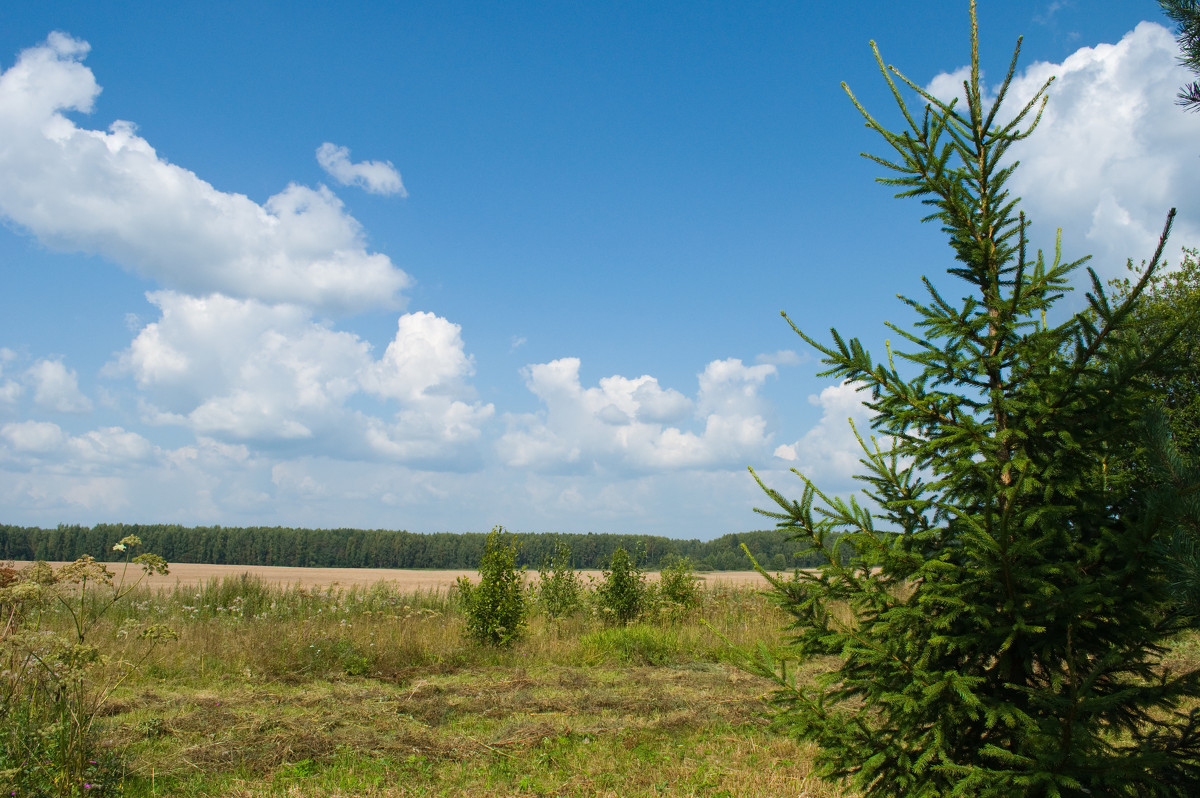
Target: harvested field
{"x":404,"y":579}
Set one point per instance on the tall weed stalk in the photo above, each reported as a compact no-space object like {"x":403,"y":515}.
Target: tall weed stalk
{"x":57,"y":675}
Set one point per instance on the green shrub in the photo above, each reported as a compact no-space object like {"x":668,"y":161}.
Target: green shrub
{"x":679,"y":586}
{"x":622,"y":593}
{"x":496,"y":608}
{"x":559,"y":592}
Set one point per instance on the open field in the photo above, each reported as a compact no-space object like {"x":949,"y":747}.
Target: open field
{"x":401,"y":579}
{"x":343,"y":683}
{"x":336,"y":690}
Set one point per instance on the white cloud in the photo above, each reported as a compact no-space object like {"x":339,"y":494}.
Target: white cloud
{"x":377,"y":177}
{"x":33,"y":437}
{"x":621,"y":423}
{"x":10,"y":390}
{"x":829,"y":454}
{"x":110,"y":193}
{"x":110,"y":445}
{"x":425,"y":355}
{"x":242,"y":371}
{"x":1112,"y":153}
{"x":948,"y":86}
{"x":70,"y":497}
{"x":48,"y":473}
{"x":49,"y":443}
{"x":783,"y":357}
{"x":55,"y":387}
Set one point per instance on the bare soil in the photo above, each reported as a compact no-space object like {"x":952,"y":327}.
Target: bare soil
{"x":406,"y":579}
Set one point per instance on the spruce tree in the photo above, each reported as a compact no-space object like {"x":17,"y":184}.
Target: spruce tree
{"x":1186,"y":16}
{"x":993,"y":614}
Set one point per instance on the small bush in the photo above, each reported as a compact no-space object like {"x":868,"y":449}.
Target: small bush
{"x":679,"y":586}
{"x":496,"y":608}
{"x":622,"y":593}
{"x":559,"y":593}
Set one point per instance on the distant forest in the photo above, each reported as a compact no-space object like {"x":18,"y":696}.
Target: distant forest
{"x":384,"y":548}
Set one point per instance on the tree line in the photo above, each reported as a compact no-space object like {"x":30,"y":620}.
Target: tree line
{"x":387,"y":548}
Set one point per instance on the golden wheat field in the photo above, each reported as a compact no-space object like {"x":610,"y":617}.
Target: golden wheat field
{"x":402,"y":579}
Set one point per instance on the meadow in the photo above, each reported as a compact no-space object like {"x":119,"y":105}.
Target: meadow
{"x":278,"y":687}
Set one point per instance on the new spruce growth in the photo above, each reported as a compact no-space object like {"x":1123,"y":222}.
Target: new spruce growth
{"x":998,"y":625}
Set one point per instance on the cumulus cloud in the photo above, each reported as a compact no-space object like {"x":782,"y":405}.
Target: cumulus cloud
{"x":10,"y":391}
{"x":376,"y":177}
{"x":110,"y":193}
{"x":623,"y":423}
{"x":829,"y":452}
{"x":243,"y":371}
{"x":33,"y":437}
{"x":948,"y":86}
{"x":48,"y":443}
{"x":110,"y":445}
{"x":425,"y":356}
{"x":1113,"y":152}
{"x":55,"y":387}
{"x":45,"y":472}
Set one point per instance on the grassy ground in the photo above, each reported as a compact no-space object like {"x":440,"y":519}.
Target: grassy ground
{"x":370,"y":692}
{"x":544,"y":730}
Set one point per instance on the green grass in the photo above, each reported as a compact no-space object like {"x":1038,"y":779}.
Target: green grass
{"x":370,"y":692}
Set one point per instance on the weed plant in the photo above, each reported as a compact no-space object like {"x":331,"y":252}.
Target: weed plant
{"x":58,"y":673}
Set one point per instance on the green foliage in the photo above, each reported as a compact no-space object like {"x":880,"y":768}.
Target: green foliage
{"x":560,"y":593}
{"x":496,"y":608}
{"x":621,"y":593}
{"x":997,"y":608}
{"x":636,"y":644}
{"x":385,"y":548}
{"x":1170,"y":476}
{"x":679,"y":586}
{"x":1165,"y":320}
{"x":54,"y":684}
{"x":1186,"y":15}
{"x":1162,"y":320}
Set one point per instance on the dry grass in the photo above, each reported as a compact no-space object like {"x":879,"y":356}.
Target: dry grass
{"x":370,"y":691}
{"x":407,"y":580}
{"x":684,"y":730}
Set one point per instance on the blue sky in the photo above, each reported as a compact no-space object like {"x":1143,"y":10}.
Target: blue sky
{"x":445,"y":266}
